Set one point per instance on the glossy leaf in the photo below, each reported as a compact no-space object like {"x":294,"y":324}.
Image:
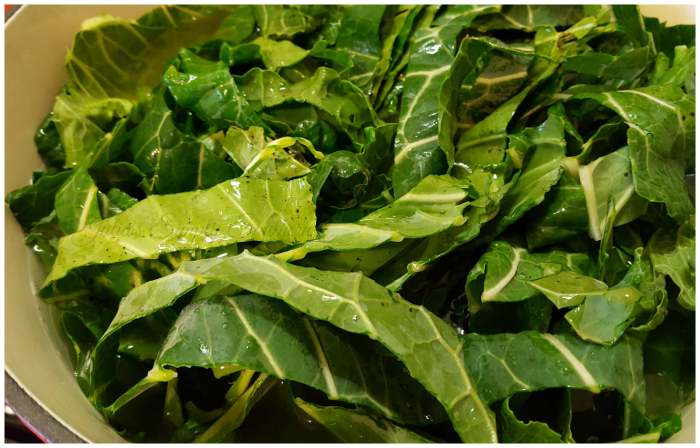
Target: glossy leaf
{"x":568,"y":288}
{"x":560,"y":360}
{"x":540,"y":172}
{"x":561,"y":215}
{"x":504,"y":272}
{"x":283,"y":158}
{"x":175,"y":161}
{"x":293,"y":347}
{"x":222,"y":215}
{"x":358,"y":305}
{"x":658,"y":142}
{"x":609,"y":192}
{"x":435,"y":204}
{"x":76,"y":202}
{"x":416,"y":149}
{"x":32,"y":203}
{"x":674,"y":255}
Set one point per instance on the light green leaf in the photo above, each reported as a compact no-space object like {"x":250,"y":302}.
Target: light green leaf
{"x":601,"y":315}
{"x":433,"y":205}
{"x":568,"y":288}
{"x":76,"y":202}
{"x":674,"y":255}
{"x":603,"y":318}
{"x":114,"y":62}
{"x":282,"y":158}
{"x":225,"y":214}
{"x":504,"y":272}
{"x":80,"y":119}
{"x":609,"y":192}
{"x":282,"y":21}
{"x":277,"y":54}
{"x":120,"y":58}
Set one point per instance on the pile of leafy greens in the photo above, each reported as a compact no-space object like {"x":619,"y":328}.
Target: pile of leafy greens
{"x":374,"y":223}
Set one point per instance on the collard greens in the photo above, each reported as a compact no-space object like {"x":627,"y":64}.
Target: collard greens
{"x":374,"y":223}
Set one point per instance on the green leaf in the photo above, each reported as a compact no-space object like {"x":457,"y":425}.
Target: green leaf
{"x":119,"y":175}
{"x":674,"y":255}
{"x":358,"y":305}
{"x":615,"y":70}
{"x":669,"y":366}
{"x":394,"y":55}
{"x":340,"y":179}
{"x":540,"y":172}
{"x":681,"y":73}
{"x":567,"y":288}
{"x":513,"y":430}
{"x":293,"y":347}
{"x":474,"y":65}
{"x":561,"y":215}
{"x":358,"y":36}
{"x":76,"y":202}
{"x":48,"y":144}
{"x":221,"y":215}
{"x":42,"y":239}
{"x":533,"y":361}
{"x":435,"y":204}
{"x":346,"y":105}
{"x":351,"y":426}
{"x":32,"y":203}
{"x":608,"y":136}
{"x":237,"y":26}
{"x":279,"y":54}
{"x":609,"y":192}
{"x":529,"y":17}
{"x":120,"y":199}
{"x":417,"y":152}
{"x":236,"y":414}
{"x":175,"y":161}
{"x":282,"y":21}
{"x":366,"y":261}
{"x":629,"y":20}
{"x":427,"y":251}
{"x":658,"y":139}
{"x":283,"y":158}
{"x":604,"y":318}
{"x":504,"y":272}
